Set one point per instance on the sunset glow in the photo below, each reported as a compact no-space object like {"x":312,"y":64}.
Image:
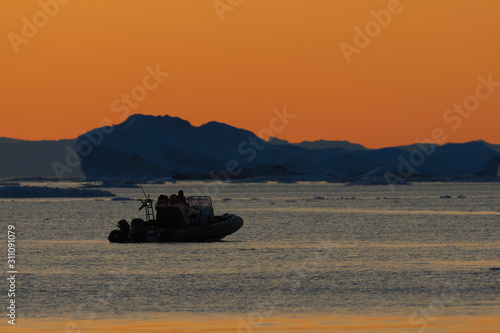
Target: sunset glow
{"x":279,"y":324}
{"x":67,"y":66}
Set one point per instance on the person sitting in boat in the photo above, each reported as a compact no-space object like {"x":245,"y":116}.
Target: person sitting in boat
{"x":162,"y":202}
{"x":188,"y":213}
{"x":174,"y":199}
{"x":181,"y":197}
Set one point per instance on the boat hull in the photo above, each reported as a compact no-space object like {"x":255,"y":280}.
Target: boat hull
{"x":193,"y":233}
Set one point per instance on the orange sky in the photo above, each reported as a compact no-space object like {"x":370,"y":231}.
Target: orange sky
{"x":265,"y":54}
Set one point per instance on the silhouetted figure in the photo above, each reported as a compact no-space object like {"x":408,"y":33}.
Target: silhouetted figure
{"x":162,"y":201}
{"x":174,"y":199}
{"x":161,"y":206}
{"x":181,"y":197}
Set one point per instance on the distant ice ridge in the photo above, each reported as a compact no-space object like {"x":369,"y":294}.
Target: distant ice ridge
{"x":114,"y":184}
{"x":122,"y":199}
{"x":163,"y":146}
{"x":50,"y":192}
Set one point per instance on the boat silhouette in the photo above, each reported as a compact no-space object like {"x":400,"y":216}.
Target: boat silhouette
{"x":190,"y":221}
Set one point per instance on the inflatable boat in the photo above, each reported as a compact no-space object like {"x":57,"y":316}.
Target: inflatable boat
{"x":190,"y":221}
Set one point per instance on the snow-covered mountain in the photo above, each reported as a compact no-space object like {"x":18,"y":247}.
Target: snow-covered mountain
{"x":164,"y":146}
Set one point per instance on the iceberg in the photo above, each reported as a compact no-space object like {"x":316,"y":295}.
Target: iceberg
{"x":50,"y":192}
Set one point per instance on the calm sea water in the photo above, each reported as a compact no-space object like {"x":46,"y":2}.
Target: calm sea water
{"x":305,"y":248}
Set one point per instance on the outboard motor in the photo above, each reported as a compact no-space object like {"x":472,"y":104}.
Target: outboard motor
{"x":122,"y":235}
